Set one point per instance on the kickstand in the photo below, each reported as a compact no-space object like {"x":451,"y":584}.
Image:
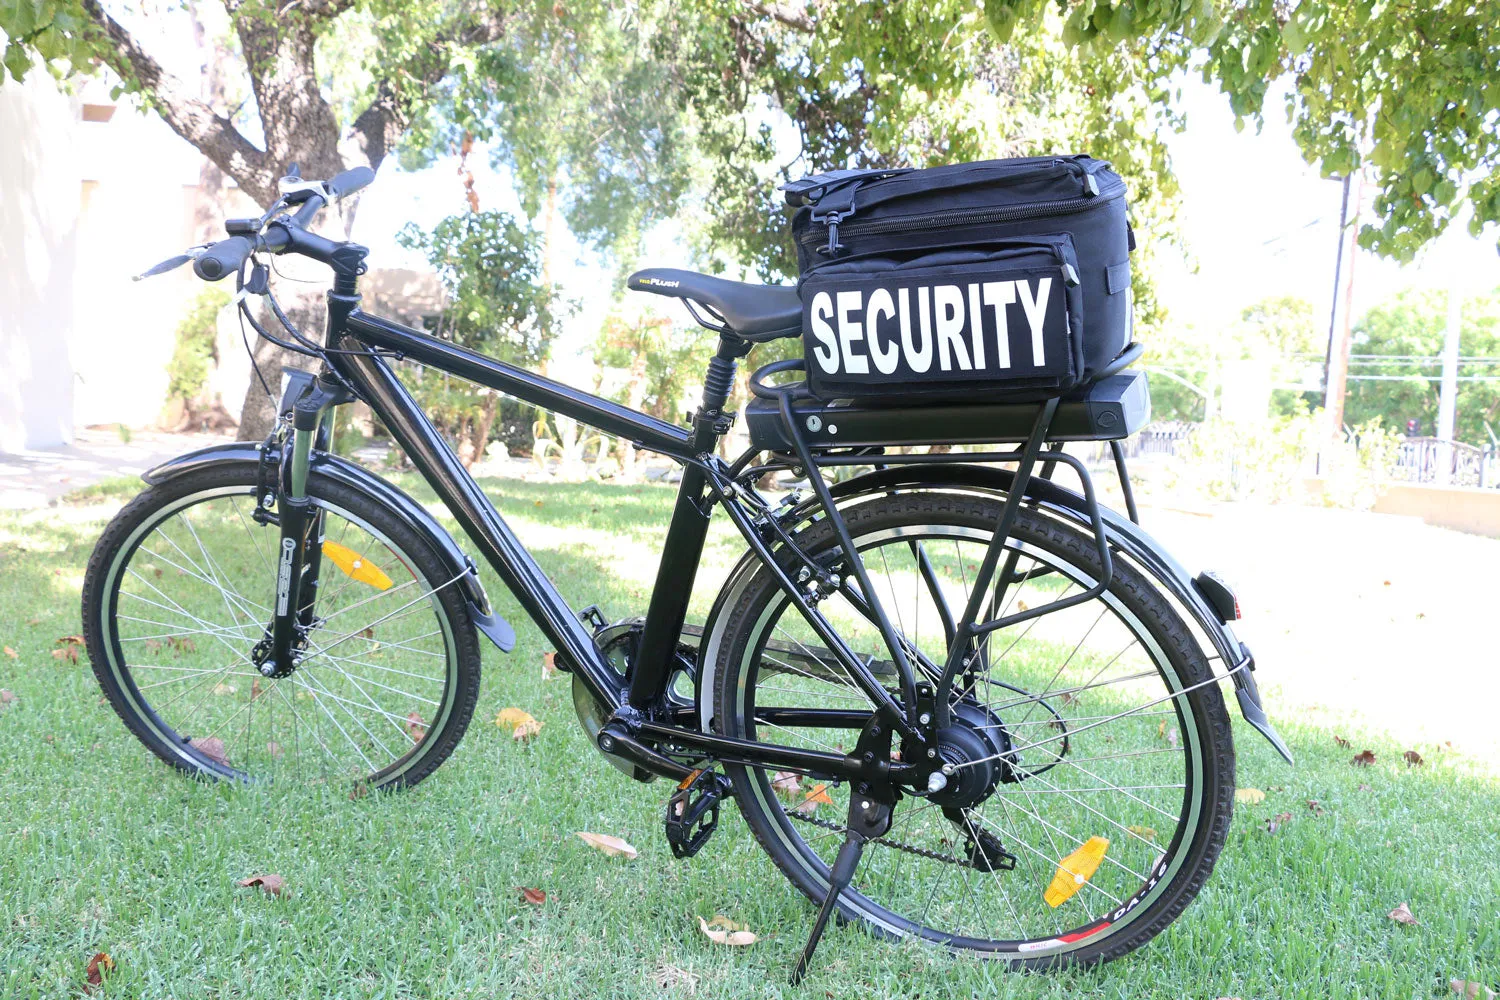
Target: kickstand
{"x":868,"y":819}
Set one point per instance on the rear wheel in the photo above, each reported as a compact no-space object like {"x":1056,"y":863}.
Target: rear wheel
{"x":177,"y":596}
{"x":1091,"y":724}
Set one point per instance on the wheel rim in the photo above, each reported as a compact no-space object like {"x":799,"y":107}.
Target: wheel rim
{"x":187,"y":597}
{"x":972,"y":913}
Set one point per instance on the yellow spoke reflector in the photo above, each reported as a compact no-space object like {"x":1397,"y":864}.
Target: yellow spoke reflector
{"x":356,"y":566}
{"x":1074,"y":870}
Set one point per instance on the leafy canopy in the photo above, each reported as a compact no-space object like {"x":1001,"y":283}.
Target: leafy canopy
{"x":1410,"y":91}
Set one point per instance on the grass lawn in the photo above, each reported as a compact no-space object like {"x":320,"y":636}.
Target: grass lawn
{"x":414,"y":894}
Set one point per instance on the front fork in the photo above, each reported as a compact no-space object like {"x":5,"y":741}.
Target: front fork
{"x":300,"y":549}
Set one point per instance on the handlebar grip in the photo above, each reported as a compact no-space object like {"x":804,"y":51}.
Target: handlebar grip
{"x":223,"y":258}
{"x":350,"y":181}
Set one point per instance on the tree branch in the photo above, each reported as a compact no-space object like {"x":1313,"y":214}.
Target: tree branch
{"x":787,"y":14}
{"x":214,"y":135}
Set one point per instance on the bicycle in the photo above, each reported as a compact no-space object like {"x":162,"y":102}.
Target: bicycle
{"x":1003,"y":697}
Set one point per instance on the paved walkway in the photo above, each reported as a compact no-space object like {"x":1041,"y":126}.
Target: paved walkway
{"x":31,"y":479}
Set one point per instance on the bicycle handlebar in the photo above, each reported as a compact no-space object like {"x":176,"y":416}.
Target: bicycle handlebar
{"x":227,"y":256}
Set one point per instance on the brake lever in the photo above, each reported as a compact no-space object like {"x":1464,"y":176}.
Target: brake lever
{"x":172,"y":263}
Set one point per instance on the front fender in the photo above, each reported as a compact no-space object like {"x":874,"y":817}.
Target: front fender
{"x":1123,"y":534}
{"x":399,"y":503}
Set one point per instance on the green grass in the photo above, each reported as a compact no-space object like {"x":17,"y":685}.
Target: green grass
{"x":412,"y":894}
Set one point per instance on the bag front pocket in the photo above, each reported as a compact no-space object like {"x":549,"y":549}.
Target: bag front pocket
{"x":947,"y":324}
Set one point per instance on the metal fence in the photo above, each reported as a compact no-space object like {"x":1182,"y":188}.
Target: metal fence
{"x":1433,"y":460}
{"x":1167,"y":437}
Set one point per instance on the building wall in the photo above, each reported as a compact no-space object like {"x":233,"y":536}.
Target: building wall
{"x":39,"y":203}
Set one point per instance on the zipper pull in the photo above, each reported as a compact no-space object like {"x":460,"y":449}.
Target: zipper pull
{"x":1090,"y":185}
{"x":1070,"y":276}
{"x":834,"y":246}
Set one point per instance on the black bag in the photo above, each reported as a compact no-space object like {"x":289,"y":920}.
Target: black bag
{"x":1001,"y":279}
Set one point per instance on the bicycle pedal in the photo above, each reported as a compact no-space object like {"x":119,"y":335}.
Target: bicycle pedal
{"x":693,"y":811}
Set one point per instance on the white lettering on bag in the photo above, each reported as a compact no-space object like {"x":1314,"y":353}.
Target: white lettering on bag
{"x":822,"y":310}
{"x":920,"y":358}
{"x":880,"y":303}
{"x":976,"y":327}
{"x":998,"y":295}
{"x":851,"y":332}
{"x":1036,"y":313}
{"x":948,"y":303}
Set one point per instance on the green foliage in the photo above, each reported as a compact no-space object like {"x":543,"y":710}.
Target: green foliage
{"x":1413,"y":324}
{"x":1263,"y":462}
{"x":661,"y":360}
{"x":196,"y":351}
{"x":1404,"y":90}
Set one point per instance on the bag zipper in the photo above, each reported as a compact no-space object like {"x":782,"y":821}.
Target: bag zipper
{"x":1055,"y":245}
{"x":945,"y":219}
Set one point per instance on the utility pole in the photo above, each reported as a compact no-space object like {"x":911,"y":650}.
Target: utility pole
{"x":1448,"y":394}
{"x":1341,"y":320}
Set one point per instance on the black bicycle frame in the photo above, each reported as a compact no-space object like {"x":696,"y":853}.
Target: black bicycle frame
{"x":359,"y":346}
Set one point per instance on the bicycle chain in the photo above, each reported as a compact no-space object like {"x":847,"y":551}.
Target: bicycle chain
{"x":920,"y":852}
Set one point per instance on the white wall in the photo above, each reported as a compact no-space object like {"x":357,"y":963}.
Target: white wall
{"x":39,"y":199}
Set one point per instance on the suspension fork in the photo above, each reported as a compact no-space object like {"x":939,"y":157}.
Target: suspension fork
{"x":299,"y":553}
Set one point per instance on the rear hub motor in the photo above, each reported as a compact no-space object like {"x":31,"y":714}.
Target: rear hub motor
{"x":974,"y":755}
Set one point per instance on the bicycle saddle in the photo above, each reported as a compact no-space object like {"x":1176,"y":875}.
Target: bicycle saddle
{"x":755,"y":312}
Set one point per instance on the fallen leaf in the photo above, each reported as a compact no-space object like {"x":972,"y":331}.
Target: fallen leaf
{"x":222,"y":689}
{"x":153,"y":646}
{"x":1069,"y":698}
{"x":1144,"y":832}
{"x":521,"y":724}
{"x":274,"y":749}
{"x":99,"y":965}
{"x":367,"y":633}
{"x":535,"y":897}
{"x":1167,"y":734}
{"x":1471,"y":990}
{"x":211,"y":747}
{"x":549,"y":666}
{"x":6,"y":697}
{"x":668,"y":976}
{"x":182,"y":644}
{"x":1364,"y":758}
{"x":722,"y":930}
{"x":613,"y":846}
{"x":359,"y":791}
{"x":70,"y":640}
{"x":1249,"y":796}
{"x":1277,"y":822}
{"x":1022,"y":606}
{"x":416,"y":727}
{"x":1402,"y":915}
{"x":1317,"y":810}
{"x":11,"y":653}
{"x":255,"y":689}
{"x":1413,"y":759}
{"x":1364,"y":787}
{"x":69,"y":653}
{"x":786,"y":783}
{"x":1339,"y":741}
{"x":818,"y":796}
{"x":272,"y":885}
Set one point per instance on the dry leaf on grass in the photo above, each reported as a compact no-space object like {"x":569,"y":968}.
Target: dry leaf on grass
{"x":1167,"y":733}
{"x":817,"y":797}
{"x":416,"y":726}
{"x":70,"y":640}
{"x":1340,"y":742}
{"x":613,"y":846}
{"x":535,"y":897}
{"x":69,"y":653}
{"x":1364,"y":758}
{"x":211,"y":747}
{"x":521,"y":725}
{"x":1413,"y":759}
{"x":6,"y":697}
{"x":274,"y":749}
{"x":1472,"y":990}
{"x":99,"y":965}
{"x":1364,"y":788}
{"x":1317,"y":810}
{"x":1249,"y":796}
{"x":359,"y":791}
{"x":11,"y":653}
{"x":272,"y":885}
{"x":722,"y":930}
{"x":1144,"y":832}
{"x":1277,"y":822}
{"x":786,"y":783}
{"x":549,"y":666}
{"x":223,"y":689}
{"x":1402,"y":915}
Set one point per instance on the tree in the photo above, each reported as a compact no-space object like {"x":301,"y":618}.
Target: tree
{"x":1404,"y":90}
{"x":498,"y":304}
{"x":401,"y":51}
{"x":1411,"y":325}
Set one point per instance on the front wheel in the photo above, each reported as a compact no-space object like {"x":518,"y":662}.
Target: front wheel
{"x":1105,"y":750}
{"x":178,"y":596}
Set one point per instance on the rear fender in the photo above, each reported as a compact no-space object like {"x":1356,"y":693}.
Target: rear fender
{"x":408,"y":510}
{"x":1124,"y":536}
